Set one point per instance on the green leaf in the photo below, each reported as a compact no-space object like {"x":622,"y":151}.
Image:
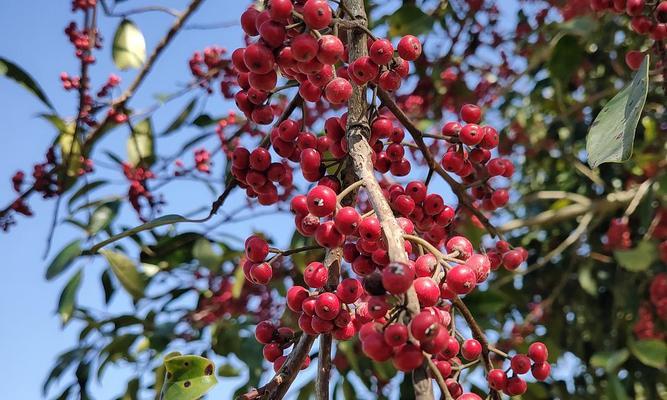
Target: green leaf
{"x":129,"y":46}
{"x":70,"y":151}
{"x":650,"y":352}
{"x":228,"y":371}
{"x":83,"y":190}
{"x":108,"y":286}
{"x":612,"y":134}
{"x":203,"y":251}
{"x":409,"y":19}
{"x":609,"y":360}
{"x":239,"y":281}
{"x":180,"y":120}
{"x":64,"y":259}
{"x":587,"y":280}
{"x":68,"y":297}
{"x":615,"y":389}
{"x":188,"y":377}
{"x":639,"y":258}
{"x":126,"y":272}
{"x":169,"y":219}
{"x":102,"y":217}
{"x":204,"y":120}
{"x":140,"y":144}
{"x":16,"y":73}
{"x":565,"y":58}
{"x":487,"y":302}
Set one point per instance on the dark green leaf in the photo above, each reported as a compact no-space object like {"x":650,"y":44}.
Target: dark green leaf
{"x":83,"y":190}
{"x":64,"y":259}
{"x":612,"y":134}
{"x":609,"y":360}
{"x":565,"y":58}
{"x":126,"y":272}
{"x":409,"y":19}
{"x":650,"y":352}
{"x":204,"y":120}
{"x":68,"y":297}
{"x":615,"y":389}
{"x":16,"y":73}
{"x":162,"y":221}
{"x":638,"y":259}
{"x":228,"y":370}
{"x":182,"y":117}
{"x":107,"y":284}
{"x":129,"y":46}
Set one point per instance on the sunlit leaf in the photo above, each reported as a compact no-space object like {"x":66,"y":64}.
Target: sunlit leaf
{"x":102,"y":216}
{"x":129,"y":46}
{"x":126,"y":271}
{"x":140,"y":144}
{"x":188,"y":377}
{"x":16,"y":73}
{"x":409,"y":19}
{"x":650,"y":352}
{"x":612,"y":134}
{"x":639,"y":258}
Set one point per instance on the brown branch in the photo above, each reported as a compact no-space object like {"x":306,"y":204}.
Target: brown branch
{"x":361,"y":152}
{"x":479,"y":336}
{"x":418,"y":137}
{"x":119,"y":103}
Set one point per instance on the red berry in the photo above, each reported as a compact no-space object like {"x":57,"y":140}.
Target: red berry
{"x":538,"y":352}
{"x":347,"y":220}
{"x":471,"y":113}
{"x":471,"y":349}
{"x":425,"y":265}
{"x":471,"y":134}
{"x":481,"y":265}
{"x":349,"y":290}
{"x":427,"y":290}
{"x":272,"y":351}
{"x":327,"y":236}
{"x":541,"y":370}
{"x":304,"y":47}
{"x":460,"y":244}
{"x":317,"y":14}
{"x":327,"y":306}
{"x":425,"y":325}
{"x":520,"y":364}
{"x":512,"y":259}
{"x":409,"y":48}
{"x":407,"y":358}
{"x":338,"y":91}
{"x":264,"y":332}
{"x":497,"y":379}
{"x":295,"y":297}
{"x":256,"y":249}
{"x":331,"y":49}
{"x":315,"y":275}
{"x":396,"y":335}
{"x":468,"y":396}
{"x":280,"y":10}
{"x":461,"y":279}
{"x":370,"y":228}
{"x":634,"y":59}
{"x":515,"y":386}
{"x":261,"y":273}
{"x":444,"y":367}
{"x":258,"y":58}
{"x":321,"y":201}
{"x":381,"y":51}
{"x":397,"y":277}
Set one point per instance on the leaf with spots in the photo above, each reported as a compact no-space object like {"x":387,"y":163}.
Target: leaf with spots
{"x":612,"y":134}
{"x":188,"y":377}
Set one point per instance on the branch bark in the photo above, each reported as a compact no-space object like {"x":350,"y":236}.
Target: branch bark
{"x":358,"y":130}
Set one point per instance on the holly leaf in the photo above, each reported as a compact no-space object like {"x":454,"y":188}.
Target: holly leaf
{"x":612,"y":134}
{"x":16,"y":73}
{"x":129,"y":46}
{"x":126,"y":272}
{"x":188,"y":377}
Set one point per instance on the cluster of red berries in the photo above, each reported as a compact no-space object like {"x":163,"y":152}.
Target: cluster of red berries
{"x":290,"y":41}
{"x":647,"y":18}
{"x":210,"y":64}
{"x":112,"y":82}
{"x":275,"y":341}
{"x":203,"y":161}
{"x":618,"y":235}
{"x":138,"y":190}
{"x":652,"y":317}
{"x":81,"y":39}
{"x":255,"y":172}
{"x":254,"y":268}
{"x":520,"y":364}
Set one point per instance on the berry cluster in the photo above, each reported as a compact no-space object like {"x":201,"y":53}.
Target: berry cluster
{"x":139,"y":177}
{"x":211,"y":64}
{"x":652,"y":316}
{"x":258,"y":175}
